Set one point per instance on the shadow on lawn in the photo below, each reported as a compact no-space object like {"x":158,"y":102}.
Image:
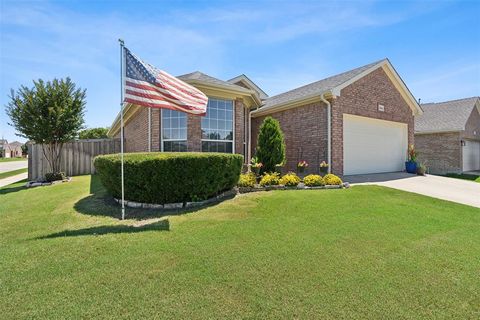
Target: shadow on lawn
{"x":99,"y":203}
{"x":162,"y":225}
{"x":10,"y":188}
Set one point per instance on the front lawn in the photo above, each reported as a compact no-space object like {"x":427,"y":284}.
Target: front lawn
{"x":363,"y":253}
{"x":12,"y":173}
{"x":471,"y":177}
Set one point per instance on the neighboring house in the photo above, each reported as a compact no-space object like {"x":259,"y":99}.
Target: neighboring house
{"x":447,"y":136}
{"x":3,"y":146}
{"x":14,"y":149}
{"x":360,"y":121}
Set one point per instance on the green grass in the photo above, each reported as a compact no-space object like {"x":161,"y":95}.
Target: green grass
{"x":367,"y":252}
{"x":7,"y":174}
{"x":12,"y":159}
{"x":472,"y":177}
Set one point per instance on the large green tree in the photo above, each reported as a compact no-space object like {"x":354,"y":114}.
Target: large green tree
{"x":270,"y":145}
{"x":93,"y":133}
{"x":50,"y":113}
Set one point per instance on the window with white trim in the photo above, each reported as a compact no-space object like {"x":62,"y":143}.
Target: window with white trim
{"x":174,"y":130}
{"x":217,"y":126}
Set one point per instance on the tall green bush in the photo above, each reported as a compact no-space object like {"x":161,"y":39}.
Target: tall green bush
{"x":169,"y":177}
{"x":271,"y":144}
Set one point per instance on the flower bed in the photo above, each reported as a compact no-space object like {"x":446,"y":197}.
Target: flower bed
{"x":290,"y":181}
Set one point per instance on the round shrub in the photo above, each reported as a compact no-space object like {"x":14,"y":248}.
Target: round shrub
{"x":313,"y":180}
{"x":270,"y":179}
{"x":332,"y":179}
{"x":168,"y":177}
{"x":290,"y":179}
{"x":247,"y":180}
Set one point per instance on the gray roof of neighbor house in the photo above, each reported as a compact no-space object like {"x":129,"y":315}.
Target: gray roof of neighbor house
{"x":317,"y":87}
{"x":3,"y":141}
{"x":200,"y":76}
{"x":16,"y":143}
{"x":445,"y":116}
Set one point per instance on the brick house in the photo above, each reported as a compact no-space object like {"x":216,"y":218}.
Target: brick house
{"x":447,"y":136}
{"x":360,"y":121}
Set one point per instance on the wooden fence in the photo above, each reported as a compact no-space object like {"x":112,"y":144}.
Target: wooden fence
{"x":76,"y":159}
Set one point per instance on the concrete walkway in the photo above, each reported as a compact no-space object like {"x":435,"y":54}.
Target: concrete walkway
{"x":12,"y":165}
{"x":13,"y":179}
{"x":456,"y":190}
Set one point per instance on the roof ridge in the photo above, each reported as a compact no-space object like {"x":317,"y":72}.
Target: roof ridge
{"x":454,"y":100}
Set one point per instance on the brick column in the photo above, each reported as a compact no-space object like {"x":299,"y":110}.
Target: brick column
{"x":156,"y":126}
{"x":337,"y":138}
{"x":239,"y":127}
{"x":194,"y":133}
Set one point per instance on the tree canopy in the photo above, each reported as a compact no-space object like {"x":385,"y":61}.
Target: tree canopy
{"x":93,"y":133}
{"x":50,"y":113}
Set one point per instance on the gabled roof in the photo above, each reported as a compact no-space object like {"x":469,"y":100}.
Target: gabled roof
{"x":446,"y":116}
{"x":198,"y":76}
{"x":317,"y":87}
{"x":250,"y":84}
{"x":334,"y":84}
{"x":16,"y":144}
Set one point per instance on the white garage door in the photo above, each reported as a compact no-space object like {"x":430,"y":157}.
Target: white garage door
{"x":373,"y":146}
{"x":471,"y":155}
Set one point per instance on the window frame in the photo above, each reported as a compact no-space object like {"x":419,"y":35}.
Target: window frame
{"x":233,"y":125}
{"x":162,"y":140}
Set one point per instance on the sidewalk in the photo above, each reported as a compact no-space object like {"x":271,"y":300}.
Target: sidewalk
{"x":13,"y":179}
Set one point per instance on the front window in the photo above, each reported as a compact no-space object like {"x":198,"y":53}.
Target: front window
{"x":174,"y":130}
{"x":217,"y":126}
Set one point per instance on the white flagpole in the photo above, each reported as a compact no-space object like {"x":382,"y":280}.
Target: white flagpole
{"x":122,"y":70}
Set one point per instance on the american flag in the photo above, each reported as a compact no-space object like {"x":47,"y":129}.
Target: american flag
{"x":148,"y":86}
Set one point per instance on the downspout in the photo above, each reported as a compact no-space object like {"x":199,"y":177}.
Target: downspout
{"x":329,"y":131}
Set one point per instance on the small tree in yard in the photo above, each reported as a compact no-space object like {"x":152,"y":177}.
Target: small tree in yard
{"x":49,"y":113}
{"x":93,"y":133}
{"x":271,"y":145}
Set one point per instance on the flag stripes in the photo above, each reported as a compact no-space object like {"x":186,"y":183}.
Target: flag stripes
{"x":147,"y":86}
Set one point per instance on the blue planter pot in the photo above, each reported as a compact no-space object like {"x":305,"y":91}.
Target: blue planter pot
{"x":411,"y":166}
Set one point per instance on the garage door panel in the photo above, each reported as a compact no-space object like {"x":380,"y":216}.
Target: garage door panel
{"x":372,"y":145}
{"x":471,"y":155}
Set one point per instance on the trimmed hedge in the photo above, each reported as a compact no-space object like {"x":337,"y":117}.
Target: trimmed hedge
{"x":169,"y":177}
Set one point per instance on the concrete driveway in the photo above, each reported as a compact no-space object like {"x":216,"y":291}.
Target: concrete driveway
{"x":456,"y":190}
{"x":12,"y":165}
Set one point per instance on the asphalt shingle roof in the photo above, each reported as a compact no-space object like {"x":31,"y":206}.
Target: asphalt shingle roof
{"x":445,"y":116}
{"x":317,"y":87}
{"x":200,"y":76}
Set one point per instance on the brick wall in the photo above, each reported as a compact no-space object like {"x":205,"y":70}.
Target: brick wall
{"x":472,"y":127}
{"x":136,"y":131}
{"x":305,"y":130}
{"x":362,"y":98}
{"x":441,"y":152}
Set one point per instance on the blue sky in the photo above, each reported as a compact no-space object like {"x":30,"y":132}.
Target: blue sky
{"x":434,"y":45}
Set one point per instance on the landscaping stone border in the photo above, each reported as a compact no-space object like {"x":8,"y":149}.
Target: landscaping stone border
{"x":31,"y":184}
{"x":300,"y":186}
{"x":221,"y":197}
{"x":180,"y":205}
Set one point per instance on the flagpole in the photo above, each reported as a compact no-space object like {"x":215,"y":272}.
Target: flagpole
{"x":122,"y":69}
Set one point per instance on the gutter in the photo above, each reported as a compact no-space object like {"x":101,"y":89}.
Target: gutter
{"x":329,"y":131}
